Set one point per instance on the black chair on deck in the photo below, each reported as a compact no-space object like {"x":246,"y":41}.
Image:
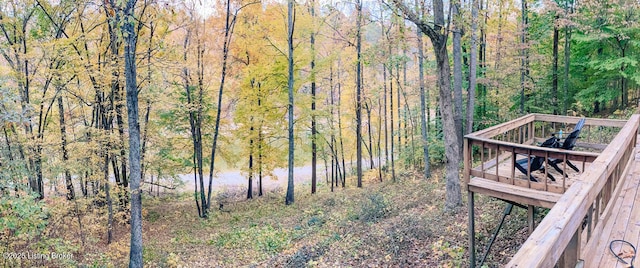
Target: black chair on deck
{"x":568,"y":144}
{"x":537,"y":162}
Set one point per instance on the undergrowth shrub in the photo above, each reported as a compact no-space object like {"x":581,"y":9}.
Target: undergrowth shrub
{"x":22,"y":221}
{"x":375,"y":208}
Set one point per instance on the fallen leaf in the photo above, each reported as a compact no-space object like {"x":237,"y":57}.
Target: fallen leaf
{"x":626,"y":254}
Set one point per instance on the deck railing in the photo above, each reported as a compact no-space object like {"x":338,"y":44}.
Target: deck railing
{"x":581,"y":210}
{"x":516,"y":138}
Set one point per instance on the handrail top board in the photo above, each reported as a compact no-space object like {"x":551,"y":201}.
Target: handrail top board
{"x":532,"y":148}
{"x":500,"y":128}
{"x":574,"y":119}
{"x":523,"y":120}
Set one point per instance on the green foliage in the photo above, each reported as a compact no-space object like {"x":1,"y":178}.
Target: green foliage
{"x":375,"y":208}
{"x":454,"y":255}
{"x":22,"y":217}
{"x":436,"y":150}
{"x":153,"y":216}
{"x":268,"y":239}
{"x":22,"y":220}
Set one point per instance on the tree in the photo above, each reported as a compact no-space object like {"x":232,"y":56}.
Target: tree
{"x":568,"y":9}
{"x":604,"y":53}
{"x":289,"y":199}
{"x":130,"y":37}
{"x":471,"y":93}
{"x":314,"y":157}
{"x":423,"y":111}
{"x":457,"y":70}
{"x":438,"y":34}
{"x":554,"y":70}
{"x":524,"y":53}
{"x":15,"y":32}
{"x":359,"y":92}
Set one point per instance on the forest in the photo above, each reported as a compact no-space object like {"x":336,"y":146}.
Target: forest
{"x":340,"y":124}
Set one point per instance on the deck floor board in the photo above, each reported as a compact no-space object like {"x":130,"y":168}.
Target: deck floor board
{"x":623,"y":223}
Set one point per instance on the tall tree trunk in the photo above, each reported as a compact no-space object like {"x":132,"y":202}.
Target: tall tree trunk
{"x":368,"y":109}
{"x":393,"y":168}
{"x":384,"y":96}
{"x":524,"y":54}
{"x":135,"y":252}
{"x":289,"y":198}
{"x":145,"y":135}
{"x":399,"y":110}
{"x":483,"y":57}
{"x":453,"y":196}
{"x":116,"y":101}
{"x":250,"y":185}
{"x":260,"y":141}
{"x":384,"y":114}
{"x":423,"y":109}
{"x":567,"y":60}
{"x":198,"y":183}
{"x":358,"y":94}
{"x":108,"y":197}
{"x":334,"y":159}
{"x":408,"y":117}
{"x":379,"y":138}
{"x":148,"y":110}
{"x":471,"y":92}
{"x":228,"y":33}
{"x":457,"y":71}
{"x":65,"y":154}
{"x":623,"y":80}
{"x":344,"y":167}
{"x":498,"y":59}
{"x":314,"y":157}
{"x":554,"y":79}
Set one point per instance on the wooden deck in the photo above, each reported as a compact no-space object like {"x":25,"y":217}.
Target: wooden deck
{"x":602,"y":205}
{"x":623,"y":222}
{"x":589,"y":208}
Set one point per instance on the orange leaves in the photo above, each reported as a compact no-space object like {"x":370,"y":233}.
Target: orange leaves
{"x":626,"y":253}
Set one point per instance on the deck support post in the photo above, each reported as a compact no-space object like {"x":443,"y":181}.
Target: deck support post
{"x":571,"y":253}
{"x":531,"y":214}
{"x":472,"y":232}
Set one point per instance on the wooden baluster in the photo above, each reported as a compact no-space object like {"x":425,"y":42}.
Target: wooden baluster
{"x":546,"y":170}
{"x":598,"y":202}
{"x":497,"y":162}
{"x":529,"y":168}
{"x":532,"y":131}
{"x":590,"y":221}
{"x":521,"y":135}
{"x":513,"y":166}
{"x":482,"y":160}
{"x":564,"y":170}
{"x":467,"y":161}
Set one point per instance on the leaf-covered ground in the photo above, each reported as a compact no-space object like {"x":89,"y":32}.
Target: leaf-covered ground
{"x":383,"y":224}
